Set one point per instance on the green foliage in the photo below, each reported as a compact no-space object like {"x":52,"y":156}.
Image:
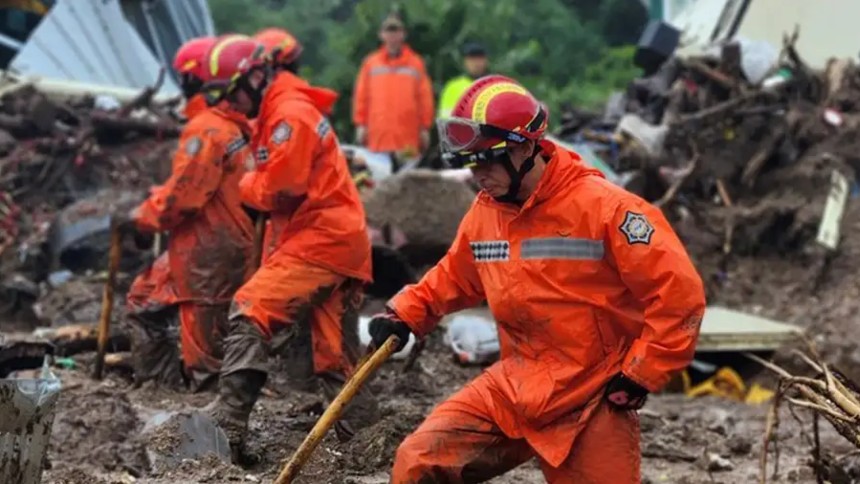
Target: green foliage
{"x":558,"y":49}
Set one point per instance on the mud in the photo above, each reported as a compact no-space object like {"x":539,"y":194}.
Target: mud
{"x":96,"y":432}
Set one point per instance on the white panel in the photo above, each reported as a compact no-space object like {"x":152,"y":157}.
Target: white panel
{"x":89,"y":41}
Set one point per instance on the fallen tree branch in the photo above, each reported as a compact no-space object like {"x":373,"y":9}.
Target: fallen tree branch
{"x":676,"y":185}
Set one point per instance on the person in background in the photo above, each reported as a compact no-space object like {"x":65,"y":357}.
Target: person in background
{"x":393,"y":98}
{"x":475,"y":65}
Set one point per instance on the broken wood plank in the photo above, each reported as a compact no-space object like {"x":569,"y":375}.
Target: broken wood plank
{"x":79,"y":338}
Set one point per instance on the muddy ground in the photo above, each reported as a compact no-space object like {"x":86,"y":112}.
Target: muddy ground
{"x":683,"y":440}
{"x":96,"y":432}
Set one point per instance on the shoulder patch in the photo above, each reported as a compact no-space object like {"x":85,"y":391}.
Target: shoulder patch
{"x":636,"y":228}
{"x":193,"y":145}
{"x":281,"y":133}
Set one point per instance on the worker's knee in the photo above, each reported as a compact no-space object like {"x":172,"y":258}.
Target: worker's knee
{"x":409,"y":466}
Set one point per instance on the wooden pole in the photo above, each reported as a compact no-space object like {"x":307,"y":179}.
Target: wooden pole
{"x":107,"y":297}
{"x":332,"y":413}
{"x":259,"y":237}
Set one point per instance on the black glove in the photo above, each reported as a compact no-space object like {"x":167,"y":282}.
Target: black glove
{"x":625,"y":394}
{"x":387,"y":324}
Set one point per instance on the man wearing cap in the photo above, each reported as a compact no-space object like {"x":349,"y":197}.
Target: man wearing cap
{"x":393,"y":98}
{"x":475,"y":65}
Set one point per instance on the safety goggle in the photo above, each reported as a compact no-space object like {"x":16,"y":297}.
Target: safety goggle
{"x":458,"y":134}
{"x":472,"y":160}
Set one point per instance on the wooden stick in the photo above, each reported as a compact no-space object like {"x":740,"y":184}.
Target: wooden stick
{"x":259,"y":237}
{"x":414,"y":354}
{"x":333,"y":412}
{"x":107,"y":298}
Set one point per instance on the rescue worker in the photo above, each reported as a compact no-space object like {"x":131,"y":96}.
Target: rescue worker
{"x":281,"y":43}
{"x":475,"y":65}
{"x":393,"y":98}
{"x":303,"y":300}
{"x":596,"y":300}
{"x":210,"y":233}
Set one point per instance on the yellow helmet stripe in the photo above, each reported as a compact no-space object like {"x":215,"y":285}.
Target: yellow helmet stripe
{"x":219,"y":47}
{"x":482,"y":102}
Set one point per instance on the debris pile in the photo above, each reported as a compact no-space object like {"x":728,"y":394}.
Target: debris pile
{"x":742,"y":155}
{"x":67,"y":163}
{"x":425,"y":206}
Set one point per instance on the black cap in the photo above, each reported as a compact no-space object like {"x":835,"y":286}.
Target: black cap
{"x":474,"y":49}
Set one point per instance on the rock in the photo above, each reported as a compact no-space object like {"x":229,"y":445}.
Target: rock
{"x":426,"y":207}
{"x":739,"y":445}
{"x":172,"y":437}
{"x":717,"y":463}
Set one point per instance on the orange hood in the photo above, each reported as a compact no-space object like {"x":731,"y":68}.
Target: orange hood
{"x":287,"y":85}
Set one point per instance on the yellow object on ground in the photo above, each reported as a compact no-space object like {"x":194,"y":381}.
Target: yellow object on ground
{"x":726,"y":383}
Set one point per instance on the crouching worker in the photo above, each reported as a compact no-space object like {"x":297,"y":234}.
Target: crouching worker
{"x":595,"y":297}
{"x":210,"y":240}
{"x":302,"y":303}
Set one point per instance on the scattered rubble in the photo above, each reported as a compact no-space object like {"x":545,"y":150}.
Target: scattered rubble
{"x":741,"y":166}
{"x":425,"y":206}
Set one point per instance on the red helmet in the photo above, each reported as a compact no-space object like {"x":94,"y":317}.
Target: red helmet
{"x":493,"y":111}
{"x":280,"y":45}
{"x":231,"y":57}
{"x":190,"y":59}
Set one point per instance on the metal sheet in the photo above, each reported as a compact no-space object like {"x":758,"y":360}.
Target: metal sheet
{"x":728,"y":330}
{"x":27,"y":406}
{"x":166,"y":24}
{"x":831,"y":222}
{"x":90,"y":42}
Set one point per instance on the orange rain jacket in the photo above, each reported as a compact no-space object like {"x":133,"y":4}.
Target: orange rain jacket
{"x":302,"y":178}
{"x":154,"y":287}
{"x":393,"y":98}
{"x":584,"y":280}
{"x":210,"y":234}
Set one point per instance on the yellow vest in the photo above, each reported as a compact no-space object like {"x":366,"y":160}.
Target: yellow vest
{"x":451,"y":93}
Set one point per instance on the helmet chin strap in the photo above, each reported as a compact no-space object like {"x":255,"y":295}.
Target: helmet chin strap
{"x":256,"y":95}
{"x":515,"y":175}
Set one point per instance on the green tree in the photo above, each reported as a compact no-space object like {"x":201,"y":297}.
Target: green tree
{"x":564,"y":51}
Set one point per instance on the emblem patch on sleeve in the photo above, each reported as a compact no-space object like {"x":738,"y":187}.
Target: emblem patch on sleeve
{"x":281,"y":133}
{"x":637,"y":228}
{"x":192,"y":146}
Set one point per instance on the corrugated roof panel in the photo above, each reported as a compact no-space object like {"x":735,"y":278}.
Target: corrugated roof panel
{"x":92,"y":42}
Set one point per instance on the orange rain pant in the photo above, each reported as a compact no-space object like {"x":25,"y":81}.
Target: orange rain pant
{"x":202,"y":328}
{"x":460,"y":443}
{"x":291,"y":301}
{"x":152,"y":302}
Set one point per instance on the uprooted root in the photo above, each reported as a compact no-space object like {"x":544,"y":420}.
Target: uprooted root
{"x":828,"y":394}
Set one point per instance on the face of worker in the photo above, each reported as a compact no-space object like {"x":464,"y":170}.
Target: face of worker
{"x":476,"y":66}
{"x":493,"y":178}
{"x":393,"y":37}
{"x":242,"y":101}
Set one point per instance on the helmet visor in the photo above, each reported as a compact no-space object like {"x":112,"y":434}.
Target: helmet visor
{"x":459,"y":134}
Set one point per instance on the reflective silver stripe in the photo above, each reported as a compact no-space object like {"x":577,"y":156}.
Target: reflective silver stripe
{"x":562,"y":248}
{"x":323,"y":128}
{"x":380,"y":70}
{"x":235,"y":146}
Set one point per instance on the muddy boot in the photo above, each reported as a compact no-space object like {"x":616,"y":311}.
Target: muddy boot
{"x":237,"y":393}
{"x":154,"y":349}
{"x":361,"y":412}
{"x":243,"y":375}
